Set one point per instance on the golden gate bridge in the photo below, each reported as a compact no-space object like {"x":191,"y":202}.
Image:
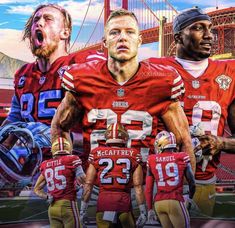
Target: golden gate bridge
{"x":155,"y":18}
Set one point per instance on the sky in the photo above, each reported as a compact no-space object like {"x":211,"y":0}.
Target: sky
{"x":14,"y":14}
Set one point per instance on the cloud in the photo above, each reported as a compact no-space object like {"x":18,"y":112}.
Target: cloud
{"x":23,"y":10}
{"x":3,"y":23}
{"x":15,"y":2}
{"x":11,"y":45}
{"x":147,"y":51}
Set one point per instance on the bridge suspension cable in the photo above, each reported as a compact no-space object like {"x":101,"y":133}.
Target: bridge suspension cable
{"x":83,"y":21}
{"x":94,"y":27}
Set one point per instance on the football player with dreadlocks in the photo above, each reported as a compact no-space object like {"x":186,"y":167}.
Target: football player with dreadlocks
{"x":168,"y":168}
{"x":60,"y":175}
{"x":117,"y":169}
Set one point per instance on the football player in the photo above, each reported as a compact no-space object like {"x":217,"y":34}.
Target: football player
{"x":168,"y":168}
{"x":209,"y":98}
{"x":38,"y":89}
{"x":60,"y":174}
{"x":123,"y":90}
{"x":117,"y":169}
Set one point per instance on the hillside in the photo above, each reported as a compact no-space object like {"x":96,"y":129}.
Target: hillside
{"x":8,"y":66}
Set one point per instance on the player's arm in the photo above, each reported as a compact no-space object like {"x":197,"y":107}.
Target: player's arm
{"x":80,"y":175}
{"x":149,"y":189}
{"x":66,"y":116}
{"x":212,"y":144}
{"x":176,"y":122}
{"x":14,"y":114}
{"x":191,"y":180}
{"x":87,"y":190}
{"x":138,"y":185}
{"x":139,"y":195}
{"x":88,"y":186}
{"x":38,"y":188}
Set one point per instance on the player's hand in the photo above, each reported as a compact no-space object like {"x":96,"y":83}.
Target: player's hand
{"x":50,"y":199}
{"x":211,"y":144}
{"x":83,"y":214}
{"x":142,"y":219}
{"x":191,"y":205}
{"x":152,"y":217}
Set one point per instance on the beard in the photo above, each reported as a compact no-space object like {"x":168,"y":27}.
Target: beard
{"x":45,"y":51}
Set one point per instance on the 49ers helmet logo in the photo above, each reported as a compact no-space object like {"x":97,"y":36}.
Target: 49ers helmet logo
{"x":116,"y":134}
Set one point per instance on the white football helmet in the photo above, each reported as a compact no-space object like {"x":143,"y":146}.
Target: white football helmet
{"x":164,"y":140}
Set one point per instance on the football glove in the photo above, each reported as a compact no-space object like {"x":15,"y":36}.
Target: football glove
{"x":83,"y":213}
{"x":50,"y":199}
{"x":191,"y":205}
{"x":142,"y":219}
{"x":152,"y":218}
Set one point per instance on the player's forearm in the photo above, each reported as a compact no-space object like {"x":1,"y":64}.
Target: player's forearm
{"x":139,"y":194}
{"x":149,"y":192}
{"x":187,"y":147}
{"x":87,"y":192}
{"x":227,"y":144}
{"x":38,"y":188}
{"x":176,"y":122}
{"x":65,"y":118}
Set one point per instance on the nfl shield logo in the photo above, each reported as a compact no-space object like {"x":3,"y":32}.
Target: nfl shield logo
{"x":223,"y":81}
{"x":195,"y":84}
{"x":42,"y":80}
{"x":121,"y":92}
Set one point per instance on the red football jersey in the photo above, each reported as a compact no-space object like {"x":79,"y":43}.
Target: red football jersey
{"x":206,"y":100}
{"x":60,"y":176}
{"x":115,"y":167}
{"x":39,"y":94}
{"x":137,"y":104}
{"x":168,"y":170}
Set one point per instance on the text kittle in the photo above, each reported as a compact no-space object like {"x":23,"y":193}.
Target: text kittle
{"x":113,"y":152}
{"x":53,"y":163}
{"x":165,"y":159}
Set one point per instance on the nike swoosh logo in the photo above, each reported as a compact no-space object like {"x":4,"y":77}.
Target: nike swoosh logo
{"x":211,"y":196}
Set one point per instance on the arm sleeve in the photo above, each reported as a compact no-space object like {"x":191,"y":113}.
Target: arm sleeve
{"x":191,"y":180}
{"x":15,"y":114}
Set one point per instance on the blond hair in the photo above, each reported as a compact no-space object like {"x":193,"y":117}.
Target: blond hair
{"x":67,"y":20}
{"x":121,"y":12}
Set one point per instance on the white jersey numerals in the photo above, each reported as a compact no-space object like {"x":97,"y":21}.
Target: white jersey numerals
{"x":171,"y":173}
{"x":211,"y":125}
{"x":105,"y":178}
{"x":126,"y":118}
{"x":53,"y":174}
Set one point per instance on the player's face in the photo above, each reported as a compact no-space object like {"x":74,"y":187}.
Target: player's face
{"x":197,"y":40}
{"x":46,"y":30}
{"x":122,"y":38}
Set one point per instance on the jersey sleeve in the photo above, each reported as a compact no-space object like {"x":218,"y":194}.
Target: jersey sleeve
{"x":42,"y":167}
{"x":70,"y":80}
{"x":177,"y":90}
{"x":76,"y":161}
{"x":14,"y":114}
